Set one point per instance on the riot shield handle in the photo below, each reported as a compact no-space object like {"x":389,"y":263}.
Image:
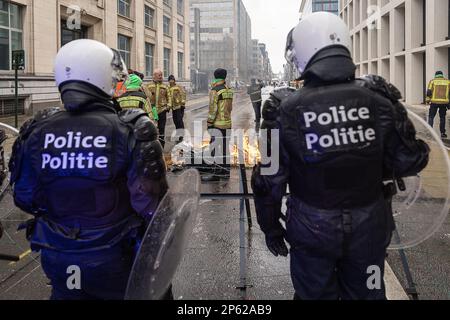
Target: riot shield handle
{"x":401,"y":184}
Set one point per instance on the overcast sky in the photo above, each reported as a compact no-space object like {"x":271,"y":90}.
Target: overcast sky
{"x":271,"y":22}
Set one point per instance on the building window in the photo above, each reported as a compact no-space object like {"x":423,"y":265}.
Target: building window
{"x":180,"y":7}
{"x":149,"y":16}
{"x":68,"y":35}
{"x":166,"y":62}
{"x":124,"y":45}
{"x":124,"y":7}
{"x":11,"y":26}
{"x":326,"y":5}
{"x":167,"y":2}
{"x":8,"y":107}
{"x":180,"y":65}
{"x":166,"y":26}
{"x":180,"y":33}
{"x":149,"y":54}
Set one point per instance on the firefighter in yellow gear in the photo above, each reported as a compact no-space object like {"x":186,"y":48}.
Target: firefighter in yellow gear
{"x":219,"y":122}
{"x":160,"y":102}
{"x":134,"y":98}
{"x":438,"y":98}
{"x":177,"y":103}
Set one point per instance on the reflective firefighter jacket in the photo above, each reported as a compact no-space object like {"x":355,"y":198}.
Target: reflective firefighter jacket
{"x":438,"y":91}
{"x":177,"y":97}
{"x":220,"y":106}
{"x":136,"y":100}
{"x":160,"y":96}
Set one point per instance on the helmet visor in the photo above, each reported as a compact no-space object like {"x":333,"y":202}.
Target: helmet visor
{"x":120,"y":72}
{"x":289,"y":52}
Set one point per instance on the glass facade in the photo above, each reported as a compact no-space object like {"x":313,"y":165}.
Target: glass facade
{"x":215,"y":42}
{"x":11,"y":32}
{"x":326,"y":5}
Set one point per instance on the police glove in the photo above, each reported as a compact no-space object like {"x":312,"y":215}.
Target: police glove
{"x":276,"y":243}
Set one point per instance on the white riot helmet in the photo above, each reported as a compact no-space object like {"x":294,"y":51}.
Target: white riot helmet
{"x":92,"y":62}
{"x":315,"y":32}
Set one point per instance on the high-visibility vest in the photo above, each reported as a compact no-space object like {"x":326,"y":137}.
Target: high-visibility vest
{"x":438,"y":91}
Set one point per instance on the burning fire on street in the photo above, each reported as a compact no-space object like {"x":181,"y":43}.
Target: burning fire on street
{"x":249,"y":146}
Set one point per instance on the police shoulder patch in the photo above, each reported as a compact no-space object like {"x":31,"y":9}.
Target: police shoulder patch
{"x":29,"y":125}
{"x":46,"y":113}
{"x":282,"y":94}
{"x":381,"y":86}
{"x":131,"y":115}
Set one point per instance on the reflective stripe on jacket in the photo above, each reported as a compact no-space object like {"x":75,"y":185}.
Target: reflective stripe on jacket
{"x":135,"y":100}
{"x":220,"y":106}
{"x":159,"y":96}
{"x":177,"y":97}
{"x":255,"y":93}
{"x":438,"y":91}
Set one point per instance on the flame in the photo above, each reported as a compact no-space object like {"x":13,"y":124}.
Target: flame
{"x":252,"y":155}
{"x":250,"y":145}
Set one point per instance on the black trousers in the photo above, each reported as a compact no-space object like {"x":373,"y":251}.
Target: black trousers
{"x":162,"y":127}
{"x":442,"y":108}
{"x":257,"y":108}
{"x":178,"y":119}
{"x":224,"y":147}
{"x":338,"y":255}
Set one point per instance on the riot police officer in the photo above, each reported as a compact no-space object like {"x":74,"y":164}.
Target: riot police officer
{"x":341,"y":137}
{"x":92,"y":177}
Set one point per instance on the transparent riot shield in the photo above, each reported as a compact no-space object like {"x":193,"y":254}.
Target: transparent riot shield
{"x":165,"y":240}
{"x":8,"y":212}
{"x":8,"y":135}
{"x":421,"y":209}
